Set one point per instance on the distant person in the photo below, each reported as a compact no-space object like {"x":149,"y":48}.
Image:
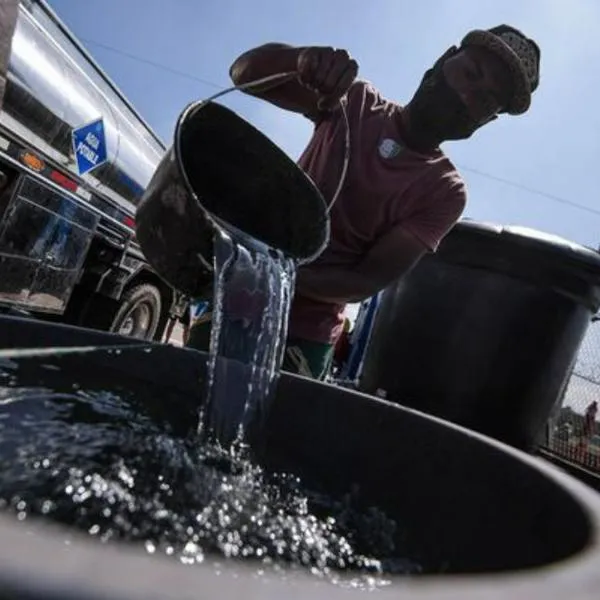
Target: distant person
{"x":588,"y":431}
{"x":196,"y":315}
{"x":589,"y":421}
{"x":402,"y":194}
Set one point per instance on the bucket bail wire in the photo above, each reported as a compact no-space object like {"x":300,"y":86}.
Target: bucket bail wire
{"x":221,"y":172}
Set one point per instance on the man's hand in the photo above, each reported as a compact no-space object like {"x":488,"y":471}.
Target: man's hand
{"x":324,"y":76}
{"x":328,"y":72}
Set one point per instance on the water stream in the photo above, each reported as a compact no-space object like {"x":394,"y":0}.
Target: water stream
{"x":253,"y":291}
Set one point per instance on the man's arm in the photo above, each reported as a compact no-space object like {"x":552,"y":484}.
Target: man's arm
{"x":324,"y":76}
{"x":392,"y":256}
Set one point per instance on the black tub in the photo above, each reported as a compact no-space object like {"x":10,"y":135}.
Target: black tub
{"x":483,"y":519}
{"x":485,"y":332}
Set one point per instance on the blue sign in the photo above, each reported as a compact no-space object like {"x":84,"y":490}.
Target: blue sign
{"x":89,"y":145}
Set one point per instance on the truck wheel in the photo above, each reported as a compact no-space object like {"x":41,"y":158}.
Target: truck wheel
{"x":139,"y":312}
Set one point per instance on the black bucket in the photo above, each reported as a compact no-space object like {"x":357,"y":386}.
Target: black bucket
{"x":221,"y":170}
{"x":464,"y":505}
{"x":485,"y":332}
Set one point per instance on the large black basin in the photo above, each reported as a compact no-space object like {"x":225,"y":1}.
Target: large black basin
{"x":484,"y":520}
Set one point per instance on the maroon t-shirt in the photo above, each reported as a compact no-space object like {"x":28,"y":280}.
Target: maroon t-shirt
{"x":387,"y":186}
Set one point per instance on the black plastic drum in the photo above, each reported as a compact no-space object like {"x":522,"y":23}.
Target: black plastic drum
{"x":485,"y":332}
{"x":464,"y":505}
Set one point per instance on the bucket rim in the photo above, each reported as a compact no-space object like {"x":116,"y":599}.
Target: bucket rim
{"x":188,"y":113}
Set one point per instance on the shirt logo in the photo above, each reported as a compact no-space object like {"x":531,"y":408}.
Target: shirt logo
{"x":389,"y":148}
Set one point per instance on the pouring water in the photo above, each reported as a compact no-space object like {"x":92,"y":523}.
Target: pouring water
{"x":234,"y":226}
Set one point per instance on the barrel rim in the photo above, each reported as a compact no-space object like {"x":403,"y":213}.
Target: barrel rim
{"x":533,"y":239}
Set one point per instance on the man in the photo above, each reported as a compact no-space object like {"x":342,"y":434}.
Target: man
{"x":402,"y":194}
{"x":588,"y":430}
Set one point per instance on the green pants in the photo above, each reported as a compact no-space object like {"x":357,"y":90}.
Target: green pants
{"x":302,"y":357}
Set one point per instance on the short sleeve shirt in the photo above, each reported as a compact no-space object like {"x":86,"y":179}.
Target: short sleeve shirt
{"x":387,"y":186}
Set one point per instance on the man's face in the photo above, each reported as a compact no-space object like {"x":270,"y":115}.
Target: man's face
{"x":460,"y":94}
{"x":480,"y":79}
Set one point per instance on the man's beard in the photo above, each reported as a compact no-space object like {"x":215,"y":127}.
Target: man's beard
{"x":436,"y":111}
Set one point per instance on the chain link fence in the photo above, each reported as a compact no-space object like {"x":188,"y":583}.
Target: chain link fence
{"x":574,"y":428}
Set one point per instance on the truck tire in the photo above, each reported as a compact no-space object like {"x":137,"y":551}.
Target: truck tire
{"x":139,"y":312}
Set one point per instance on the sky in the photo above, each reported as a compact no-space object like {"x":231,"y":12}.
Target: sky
{"x":548,"y":156}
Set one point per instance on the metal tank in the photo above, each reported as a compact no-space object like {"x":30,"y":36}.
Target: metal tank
{"x":485,"y":332}
{"x":53,"y":86}
{"x":9,"y":9}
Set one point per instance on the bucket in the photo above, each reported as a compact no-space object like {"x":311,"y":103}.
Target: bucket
{"x":482,"y":519}
{"x":222,"y":172}
{"x":485,"y":332}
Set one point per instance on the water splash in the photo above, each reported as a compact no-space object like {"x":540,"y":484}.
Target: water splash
{"x":95,"y":460}
{"x":108,"y":463}
{"x":253,"y":291}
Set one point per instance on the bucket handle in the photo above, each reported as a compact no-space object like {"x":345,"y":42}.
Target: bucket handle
{"x":279,"y":79}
